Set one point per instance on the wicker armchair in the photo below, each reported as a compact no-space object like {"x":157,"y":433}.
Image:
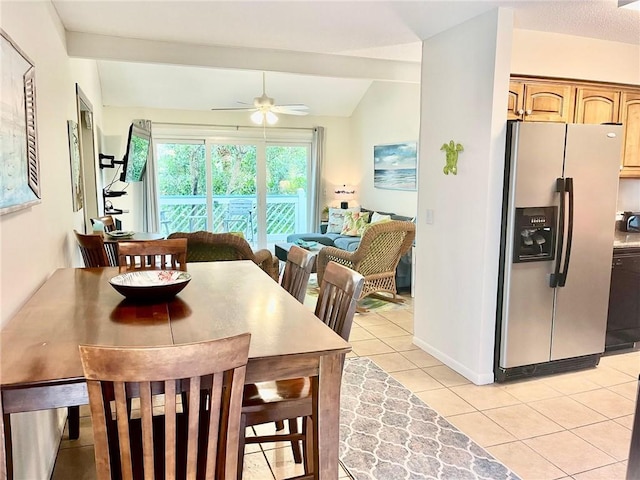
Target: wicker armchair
{"x":213,"y":247}
{"x":376,"y":258}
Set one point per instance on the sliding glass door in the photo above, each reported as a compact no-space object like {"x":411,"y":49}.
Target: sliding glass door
{"x":220,"y":184}
{"x":182,"y":186}
{"x":287,"y":167}
{"x":234,"y":186}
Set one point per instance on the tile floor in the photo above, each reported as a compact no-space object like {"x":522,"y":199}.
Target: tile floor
{"x":568,"y":426}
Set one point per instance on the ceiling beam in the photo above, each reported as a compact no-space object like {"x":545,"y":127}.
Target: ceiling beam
{"x":104,"y":47}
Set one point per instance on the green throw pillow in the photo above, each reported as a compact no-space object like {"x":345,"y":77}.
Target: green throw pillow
{"x":354,"y":223}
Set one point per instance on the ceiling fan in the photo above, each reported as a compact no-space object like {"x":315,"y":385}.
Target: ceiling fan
{"x":264,"y":108}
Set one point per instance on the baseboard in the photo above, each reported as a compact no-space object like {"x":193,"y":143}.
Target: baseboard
{"x":475,"y":377}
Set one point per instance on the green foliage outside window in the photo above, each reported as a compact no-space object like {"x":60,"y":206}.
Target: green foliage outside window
{"x":181,"y":169}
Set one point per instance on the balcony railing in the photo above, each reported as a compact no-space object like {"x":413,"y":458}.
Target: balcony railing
{"x":286,"y":214}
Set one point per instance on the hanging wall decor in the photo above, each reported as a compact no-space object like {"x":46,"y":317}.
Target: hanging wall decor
{"x":76,"y":166}
{"x":452,"y":149}
{"x":395,"y":166}
{"x":19,"y":167}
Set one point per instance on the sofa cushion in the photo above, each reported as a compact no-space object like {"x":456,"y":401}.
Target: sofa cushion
{"x":350,"y":244}
{"x":376,"y":217}
{"x":392,"y":215}
{"x":336,"y":218}
{"x":323,"y":238}
{"x":354,"y":223}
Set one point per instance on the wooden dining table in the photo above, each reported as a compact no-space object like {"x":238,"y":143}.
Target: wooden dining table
{"x":40,"y":364}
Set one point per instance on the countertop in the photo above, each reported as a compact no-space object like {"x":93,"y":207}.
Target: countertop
{"x":626,"y":240}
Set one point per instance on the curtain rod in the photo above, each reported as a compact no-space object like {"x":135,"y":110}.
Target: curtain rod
{"x":237,"y":127}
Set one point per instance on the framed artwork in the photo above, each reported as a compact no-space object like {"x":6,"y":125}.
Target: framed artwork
{"x":76,"y":166}
{"x":395,"y":166}
{"x":19,"y":167}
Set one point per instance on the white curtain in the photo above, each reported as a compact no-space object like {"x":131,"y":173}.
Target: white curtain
{"x":150,"y":213}
{"x":317,"y":163}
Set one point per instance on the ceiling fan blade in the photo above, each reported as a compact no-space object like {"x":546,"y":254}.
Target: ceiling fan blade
{"x":286,"y":111}
{"x":293,"y":106}
{"x":239,"y":109}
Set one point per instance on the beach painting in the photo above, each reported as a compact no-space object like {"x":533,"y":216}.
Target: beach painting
{"x":19,"y":166}
{"x":395,"y":166}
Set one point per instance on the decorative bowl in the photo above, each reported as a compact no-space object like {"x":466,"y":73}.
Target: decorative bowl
{"x":120,"y":234}
{"x":150,"y":284}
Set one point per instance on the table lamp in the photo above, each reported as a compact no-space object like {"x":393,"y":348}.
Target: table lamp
{"x":344,"y":193}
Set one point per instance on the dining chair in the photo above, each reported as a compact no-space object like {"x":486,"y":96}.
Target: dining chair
{"x":93,"y":250}
{"x":179,"y":442}
{"x":108,"y":222}
{"x":109,"y":226}
{"x":297,"y":270}
{"x":289,"y":400}
{"x":94,"y":254}
{"x":170,"y":254}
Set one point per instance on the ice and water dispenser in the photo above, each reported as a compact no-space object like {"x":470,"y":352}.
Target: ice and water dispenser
{"x":535,"y":234}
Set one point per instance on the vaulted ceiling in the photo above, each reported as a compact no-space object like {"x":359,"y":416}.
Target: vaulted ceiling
{"x":202,"y":54}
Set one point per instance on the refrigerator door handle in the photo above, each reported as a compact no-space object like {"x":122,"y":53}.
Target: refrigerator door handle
{"x":555,"y":276}
{"x":568,"y":188}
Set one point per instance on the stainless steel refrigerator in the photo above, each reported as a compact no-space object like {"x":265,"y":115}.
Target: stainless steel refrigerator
{"x":560,"y":191}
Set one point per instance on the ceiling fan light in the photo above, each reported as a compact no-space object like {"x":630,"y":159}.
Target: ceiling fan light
{"x":271,"y":117}
{"x":257,"y":117}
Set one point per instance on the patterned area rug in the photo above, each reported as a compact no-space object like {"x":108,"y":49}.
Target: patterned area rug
{"x":387,"y":433}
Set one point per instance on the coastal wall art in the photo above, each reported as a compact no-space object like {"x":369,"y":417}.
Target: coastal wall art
{"x":395,"y":166}
{"x":19,"y":167}
{"x":76,"y":166}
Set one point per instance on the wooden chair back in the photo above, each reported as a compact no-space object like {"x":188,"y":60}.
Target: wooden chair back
{"x":214,"y":369}
{"x":92,"y":249}
{"x":108,"y":222}
{"x":339,"y":293}
{"x":168,"y":254}
{"x":296,"y":273}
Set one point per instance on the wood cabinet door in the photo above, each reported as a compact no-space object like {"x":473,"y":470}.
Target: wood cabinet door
{"x":548,"y":103}
{"x":630,"y":118}
{"x":516,"y":101}
{"x":596,"y":105}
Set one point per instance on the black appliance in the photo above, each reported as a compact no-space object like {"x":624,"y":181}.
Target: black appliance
{"x":623,"y":319}
{"x":631,"y":222}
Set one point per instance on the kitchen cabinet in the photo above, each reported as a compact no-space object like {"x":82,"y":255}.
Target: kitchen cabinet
{"x":597,"y":105}
{"x":579,"y":101}
{"x":630,"y":118}
{"x":540,"y":102}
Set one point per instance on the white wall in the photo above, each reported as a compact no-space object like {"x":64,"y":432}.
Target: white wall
{"x":117,"y":121}
{"x":388,"y":113}
{"x":565,"y":56}
{"x":465,"y":76}
{"x":36,"y":241}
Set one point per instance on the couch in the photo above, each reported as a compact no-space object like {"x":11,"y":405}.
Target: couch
{"x":350,"y":244}
{"x":211,"y":247}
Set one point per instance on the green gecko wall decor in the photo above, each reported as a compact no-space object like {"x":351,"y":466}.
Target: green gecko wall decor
{"x":452,"y":149}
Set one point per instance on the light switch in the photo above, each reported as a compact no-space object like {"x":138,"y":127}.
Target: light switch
{"x":429,"y":216}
